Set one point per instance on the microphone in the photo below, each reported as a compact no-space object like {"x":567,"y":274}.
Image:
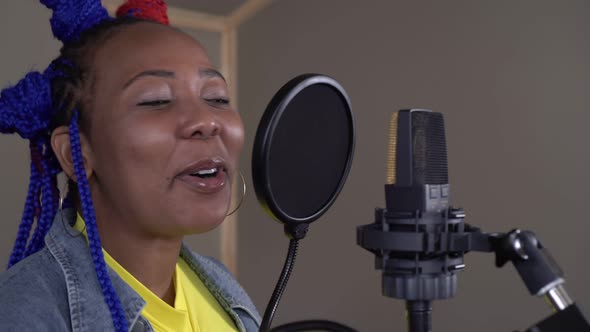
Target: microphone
{"x":417,"y":173}
{"x":411,"y":236}
{"x":419,"y":240}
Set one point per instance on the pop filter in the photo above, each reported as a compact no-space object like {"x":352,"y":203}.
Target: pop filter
{"x":302,"y":155}
{"x":303,"y":149}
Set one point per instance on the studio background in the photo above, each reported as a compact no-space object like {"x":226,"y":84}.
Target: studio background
{"x":512,"y":80}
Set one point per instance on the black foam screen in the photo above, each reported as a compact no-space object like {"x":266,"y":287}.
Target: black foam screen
{"x":309,"y":152}
{"x":303,"y":149}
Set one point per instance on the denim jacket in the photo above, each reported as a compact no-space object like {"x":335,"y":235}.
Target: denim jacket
{"x":56,"y":289}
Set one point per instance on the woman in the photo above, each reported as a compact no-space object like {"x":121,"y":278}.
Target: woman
{"x":138,"y":119}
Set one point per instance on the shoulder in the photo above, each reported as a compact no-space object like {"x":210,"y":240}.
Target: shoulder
{"x":220,"y":280}
{"x":214,"y":272}
{"x":32,"y":289}
{"x":37,"y":274}
{"x":215,"y":265}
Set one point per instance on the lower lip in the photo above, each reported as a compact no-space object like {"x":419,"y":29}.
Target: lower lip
{"x":205,"y":185}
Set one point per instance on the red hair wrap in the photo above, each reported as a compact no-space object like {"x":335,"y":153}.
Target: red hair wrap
{"x":152,"y":10}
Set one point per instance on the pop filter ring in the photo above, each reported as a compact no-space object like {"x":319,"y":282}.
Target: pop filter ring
{"x":262,"y":147}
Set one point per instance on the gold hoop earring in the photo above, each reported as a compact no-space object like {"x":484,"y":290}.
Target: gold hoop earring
{"x":63,"y":193}
{"x":243,"y":195}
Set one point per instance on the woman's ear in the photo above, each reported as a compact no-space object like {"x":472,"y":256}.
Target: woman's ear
{"x":60,"y":143}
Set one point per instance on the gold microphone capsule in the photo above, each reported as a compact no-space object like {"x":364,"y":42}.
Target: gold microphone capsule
{"x":392,"y":149}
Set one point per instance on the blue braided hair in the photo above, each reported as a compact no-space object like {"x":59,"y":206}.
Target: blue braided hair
{"x":72,"y":17}
{"x":26,"y":109}
{"x":41,"y":102}
{"x":106,"y":286}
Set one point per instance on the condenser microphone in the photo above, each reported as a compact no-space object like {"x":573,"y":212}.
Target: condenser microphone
{"x":410,"y":236}
{"x":419,"y":240}
{"x":417,"y":173}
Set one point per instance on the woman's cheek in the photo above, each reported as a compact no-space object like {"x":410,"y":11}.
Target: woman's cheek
{"x":146,"y":143}
{"x":235,"y":135}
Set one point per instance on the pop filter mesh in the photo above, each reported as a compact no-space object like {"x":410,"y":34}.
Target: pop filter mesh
{"x":310,"y":150}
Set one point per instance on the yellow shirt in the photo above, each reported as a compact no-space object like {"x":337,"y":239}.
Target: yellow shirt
{"x":195,"y":308}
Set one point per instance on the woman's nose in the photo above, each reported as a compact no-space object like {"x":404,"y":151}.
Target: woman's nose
{"x":201,"y":123}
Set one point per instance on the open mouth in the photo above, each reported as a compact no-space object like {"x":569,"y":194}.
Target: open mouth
{"x":206,"y":173}
{"x":209,"y":175}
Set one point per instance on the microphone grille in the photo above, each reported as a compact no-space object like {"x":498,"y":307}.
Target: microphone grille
{"x":429,"y":148}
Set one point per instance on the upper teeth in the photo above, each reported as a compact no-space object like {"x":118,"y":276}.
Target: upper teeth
{"x":206,"y":171}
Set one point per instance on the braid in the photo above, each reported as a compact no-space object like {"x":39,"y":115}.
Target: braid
{"x":106,"y":286}
{"x":30,"y":210}
{"x":71,"y":17}
{"x":49,"y":199}
{"x":24,"y":110}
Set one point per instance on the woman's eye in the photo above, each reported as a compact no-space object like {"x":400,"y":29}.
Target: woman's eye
{"x":219,"y":101}
{"x":154,"y":103}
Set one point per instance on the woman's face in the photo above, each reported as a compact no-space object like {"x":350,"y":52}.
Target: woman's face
{"x":163,"y":137}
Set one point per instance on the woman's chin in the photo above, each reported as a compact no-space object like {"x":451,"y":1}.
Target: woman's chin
{"x":203,"y":228}
{"x":198,"y":225}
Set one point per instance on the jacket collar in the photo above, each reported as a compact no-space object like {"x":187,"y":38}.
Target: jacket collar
{"x":229,"y":293}
{"x":71,"y":251}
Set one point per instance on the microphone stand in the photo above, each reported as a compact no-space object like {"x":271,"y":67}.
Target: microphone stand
{"x":539,"y":272}
{"x":419,"y":315}
{"x":411,"y":249}
{"x":445,"y":246}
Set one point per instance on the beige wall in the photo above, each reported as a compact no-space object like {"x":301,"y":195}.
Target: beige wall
{"x":27,"y":43}
{"x":512,"y":79}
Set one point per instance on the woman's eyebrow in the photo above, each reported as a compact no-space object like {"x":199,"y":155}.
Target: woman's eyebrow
{"x":153,"y":72}
{"x":210,"y":73}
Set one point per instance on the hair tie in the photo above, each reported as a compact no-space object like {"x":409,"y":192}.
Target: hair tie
{"x":152,"y":10}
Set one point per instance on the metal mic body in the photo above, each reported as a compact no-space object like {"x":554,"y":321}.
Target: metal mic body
{"x":411,"y":236}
